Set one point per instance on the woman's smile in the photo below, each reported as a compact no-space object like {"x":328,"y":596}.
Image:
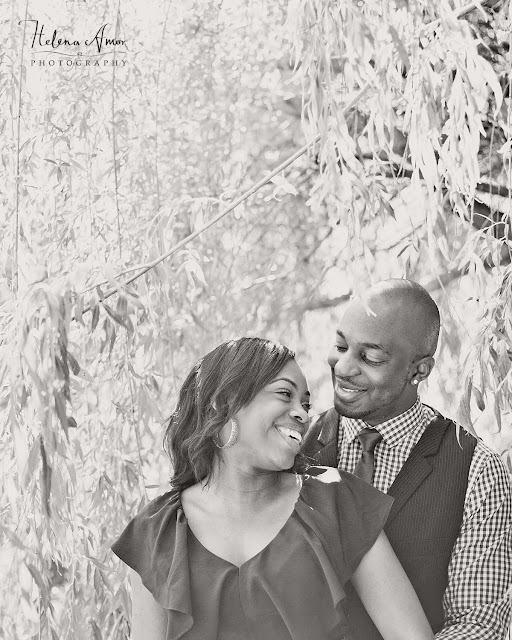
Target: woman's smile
{"x":291,"y":434}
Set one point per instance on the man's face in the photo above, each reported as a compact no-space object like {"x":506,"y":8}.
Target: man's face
{"x":372,"y":363}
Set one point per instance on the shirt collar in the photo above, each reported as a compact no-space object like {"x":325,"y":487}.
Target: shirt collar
{"x":407,"y":424}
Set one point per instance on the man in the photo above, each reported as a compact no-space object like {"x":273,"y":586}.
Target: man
{"x":451,"y":522}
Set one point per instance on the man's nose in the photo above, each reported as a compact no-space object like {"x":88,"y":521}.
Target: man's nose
{"x":346,"y":365}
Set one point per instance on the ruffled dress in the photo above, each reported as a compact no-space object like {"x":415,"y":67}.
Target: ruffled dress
{"x":293,"y":589}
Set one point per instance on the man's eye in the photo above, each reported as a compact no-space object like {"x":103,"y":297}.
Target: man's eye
{"x":370,"y":361}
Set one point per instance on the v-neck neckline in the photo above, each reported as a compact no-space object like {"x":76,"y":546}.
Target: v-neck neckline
{"x":258,"y":553}
{"x":242,"y":566}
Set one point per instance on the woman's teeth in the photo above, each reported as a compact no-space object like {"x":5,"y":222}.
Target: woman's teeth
{"x":292,"y":433}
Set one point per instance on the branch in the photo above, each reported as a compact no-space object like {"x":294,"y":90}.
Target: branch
{"x":147,"y":267}
{"x":471,"y":7}
{"x":326,"y":303}
{"x":493,"y":189}
{"x":150,"y":265}
{"x":317,"y":246}
{"x":490,"y":206}
{"x":441,"y":281}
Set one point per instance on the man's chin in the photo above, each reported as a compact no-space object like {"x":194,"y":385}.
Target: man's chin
{"x":348,"y":411}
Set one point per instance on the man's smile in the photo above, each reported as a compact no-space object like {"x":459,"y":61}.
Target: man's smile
{"x":345,"y":391}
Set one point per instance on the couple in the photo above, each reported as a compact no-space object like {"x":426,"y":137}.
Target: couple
{"x":253,"y":543}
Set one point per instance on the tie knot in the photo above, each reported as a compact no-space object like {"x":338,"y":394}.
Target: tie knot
{"x":369,"y":439}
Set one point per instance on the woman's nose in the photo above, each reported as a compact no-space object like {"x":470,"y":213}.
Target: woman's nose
{"x":300,"y":414}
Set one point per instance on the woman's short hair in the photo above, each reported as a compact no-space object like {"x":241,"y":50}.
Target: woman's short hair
{"x":220,"y":384}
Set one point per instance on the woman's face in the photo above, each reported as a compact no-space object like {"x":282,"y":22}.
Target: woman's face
{"x":274,"y":423}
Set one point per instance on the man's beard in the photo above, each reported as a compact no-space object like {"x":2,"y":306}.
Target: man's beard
{"x":350,"y":412}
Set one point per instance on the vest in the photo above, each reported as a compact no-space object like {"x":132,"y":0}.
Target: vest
{"x":426,"y":516}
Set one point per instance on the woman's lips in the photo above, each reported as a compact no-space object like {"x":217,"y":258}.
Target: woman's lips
{"x":291,"y":442}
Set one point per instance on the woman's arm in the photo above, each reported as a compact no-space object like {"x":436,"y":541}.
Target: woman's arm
{"x":149,"y":619}
{"x":388,"y":596}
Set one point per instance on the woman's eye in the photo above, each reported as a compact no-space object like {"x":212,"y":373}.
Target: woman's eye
{"x":340,"y":347}
{"x":285,"y":392}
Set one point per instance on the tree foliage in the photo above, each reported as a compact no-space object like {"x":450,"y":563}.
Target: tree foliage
{"x":108,"y":167}
{"x":435,"y":119}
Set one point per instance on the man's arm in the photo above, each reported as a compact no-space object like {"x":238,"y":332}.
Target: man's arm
{"x":477,"y":599}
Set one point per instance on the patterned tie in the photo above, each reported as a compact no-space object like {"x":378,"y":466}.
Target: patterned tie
{"x":369,"y":439}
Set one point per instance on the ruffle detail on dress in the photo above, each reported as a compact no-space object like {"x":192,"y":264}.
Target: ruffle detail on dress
{"x":154,"y":544}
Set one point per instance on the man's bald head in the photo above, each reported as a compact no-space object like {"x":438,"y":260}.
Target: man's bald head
{"x":410,"y":303}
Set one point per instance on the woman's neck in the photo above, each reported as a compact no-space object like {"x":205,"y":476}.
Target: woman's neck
{"x":242,"y":489}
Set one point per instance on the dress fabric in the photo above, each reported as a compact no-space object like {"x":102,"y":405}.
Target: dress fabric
{"x":293,"y":589}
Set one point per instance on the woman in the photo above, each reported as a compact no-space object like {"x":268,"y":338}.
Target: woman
{"x":247,"y":544}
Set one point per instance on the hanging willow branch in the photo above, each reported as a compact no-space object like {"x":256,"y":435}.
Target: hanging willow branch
{"x":18,"y":145}
{"x":286,"y":163}
{"x":157,"y":105}
{"x":114,"y":139}
{"x":144,"y":268}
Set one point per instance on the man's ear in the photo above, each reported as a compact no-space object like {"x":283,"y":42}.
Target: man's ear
{"x":422,"y":369}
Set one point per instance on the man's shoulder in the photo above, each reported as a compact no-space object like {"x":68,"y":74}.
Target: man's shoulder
{"x":486,"y":459}
{"x":454,"y":428}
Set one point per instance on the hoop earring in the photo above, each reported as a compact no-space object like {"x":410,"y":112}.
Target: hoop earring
{"x":233,"y":436}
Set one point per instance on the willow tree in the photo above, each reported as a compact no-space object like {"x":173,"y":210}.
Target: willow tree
{"x":433,"y":117}
{"x":108,"y":169}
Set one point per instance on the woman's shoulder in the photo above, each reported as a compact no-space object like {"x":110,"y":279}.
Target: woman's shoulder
{"x":346,"y":513}
{"x":154,"y":545}
{"x":323,"y":475}
{"x":162,"y":506}
{"x":334,"y":491}
{"x":330,"y":479}
{"x":148,"y":525}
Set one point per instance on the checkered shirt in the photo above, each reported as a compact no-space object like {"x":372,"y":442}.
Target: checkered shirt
{"x":477,"y":599}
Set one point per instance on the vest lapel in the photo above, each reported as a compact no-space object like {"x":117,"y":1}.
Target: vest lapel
{"x":324,"y":446}
{"x":328,"y":456}
{"x":417,"y":466}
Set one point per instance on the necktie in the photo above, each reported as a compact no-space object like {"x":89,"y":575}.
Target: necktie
{"x":369,"y":439}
